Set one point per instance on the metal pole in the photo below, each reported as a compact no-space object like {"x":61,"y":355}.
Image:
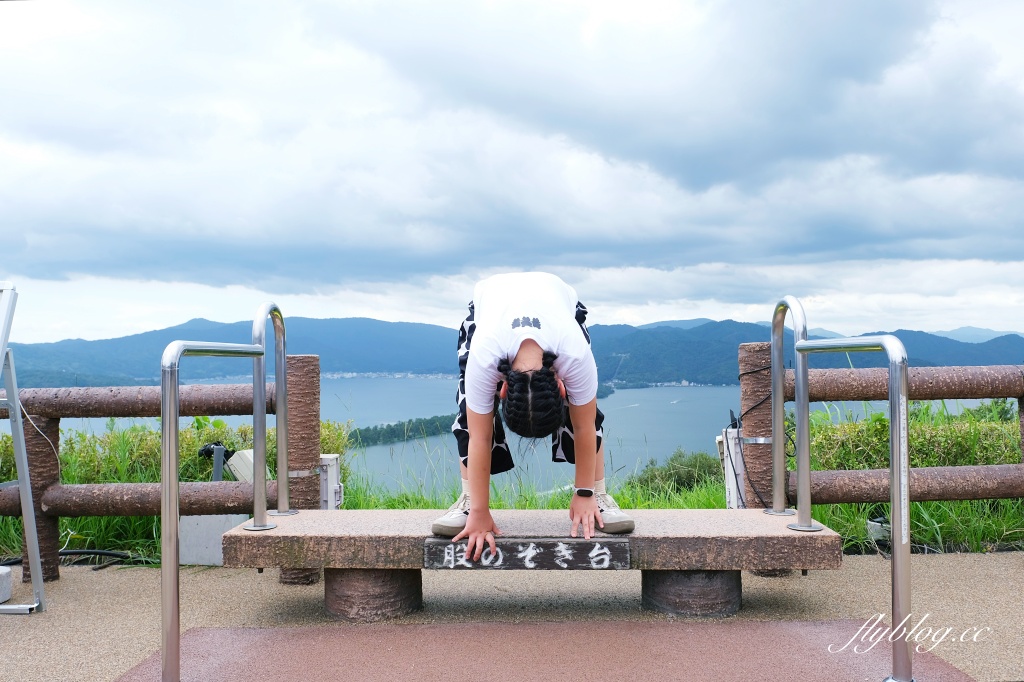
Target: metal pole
{"x":899,"y":505}
{"x":218,"y":462}
{"x":281,"y":401}
{"x":170,"y":620}
{"x":899,"y":485}
{"x":788,"y":303}
{"x":8,"y":301}
{"x":281,"y":398}
{"x":28,"y":510}
{"x":259,"y":441}
{"x":803,"y":444}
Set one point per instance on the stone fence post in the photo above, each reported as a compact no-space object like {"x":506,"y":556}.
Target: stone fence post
{"x":756,"y":410}
{"x":41,"y":447}
{"x":303,"y":446}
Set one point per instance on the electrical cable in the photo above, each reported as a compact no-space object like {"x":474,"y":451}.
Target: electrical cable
{"x":95,"y":552}
{"x":739,"y":423}
{"x":757,"y":493}
{"x":45,"y":437}
{"x":753,"y":371}
{"x":118,"y":556}
{"x":764,"y":368}
{"x":756,"y":405}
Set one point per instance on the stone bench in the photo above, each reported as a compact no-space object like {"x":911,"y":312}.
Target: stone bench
{"x":690,"y":559}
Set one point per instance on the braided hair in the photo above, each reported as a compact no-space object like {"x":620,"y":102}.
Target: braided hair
{"x":532,"y":406}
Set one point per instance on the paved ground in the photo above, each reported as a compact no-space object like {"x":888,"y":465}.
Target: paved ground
{"x":535,"y":652}
{"x":105,"y":625}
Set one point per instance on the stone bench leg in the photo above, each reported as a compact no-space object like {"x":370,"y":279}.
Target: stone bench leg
{"x":691,"y":593}
{"x":366,"y":595}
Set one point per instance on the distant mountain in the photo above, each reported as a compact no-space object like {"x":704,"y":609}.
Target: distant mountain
{"x":344,"y":345}
{"x":702,"y":354}
{"x":814,"y":332}
{"x":973,"y":334}
{"x":708,"y":353}
{"x":626,"y":356}
{"x":681,"y":324}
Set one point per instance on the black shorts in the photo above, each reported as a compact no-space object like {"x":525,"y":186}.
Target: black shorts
{"x":562,"y":444}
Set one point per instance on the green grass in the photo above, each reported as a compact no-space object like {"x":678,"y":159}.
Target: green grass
{"x":10,"y":536}
{"x":520,"y":493}
{"x":938,"y":436}
{"x":955,"y":526}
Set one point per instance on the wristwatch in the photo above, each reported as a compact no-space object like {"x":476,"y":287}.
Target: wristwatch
{"x":584,"y":492}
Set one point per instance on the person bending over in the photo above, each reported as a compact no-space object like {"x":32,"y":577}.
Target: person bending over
{"x":525,"y":348}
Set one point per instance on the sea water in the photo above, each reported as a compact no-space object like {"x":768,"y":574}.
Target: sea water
{"x":640,"y":425}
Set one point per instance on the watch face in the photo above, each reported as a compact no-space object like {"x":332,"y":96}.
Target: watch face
{"x":583,"y":492}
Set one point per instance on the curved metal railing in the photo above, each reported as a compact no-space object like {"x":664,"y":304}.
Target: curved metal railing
{"x":169,"y":498}
{"x":899,"y":478}
{"x":791,"y":304}
{"x":259,"y":454}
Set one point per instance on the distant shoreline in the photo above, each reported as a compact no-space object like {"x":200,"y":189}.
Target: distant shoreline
{"x":387,"y":375}
{"x":247,"y":378}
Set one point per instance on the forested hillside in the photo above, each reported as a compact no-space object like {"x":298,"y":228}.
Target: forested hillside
{"x":626,"y":356}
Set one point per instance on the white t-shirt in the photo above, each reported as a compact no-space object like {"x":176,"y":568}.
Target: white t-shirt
{"x":527,"y":305}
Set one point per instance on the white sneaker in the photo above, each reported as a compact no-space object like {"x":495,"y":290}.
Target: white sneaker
{"x":615,"y":520}
{"x":453,"y":520}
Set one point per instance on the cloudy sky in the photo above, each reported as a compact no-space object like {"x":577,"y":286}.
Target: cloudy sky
{"x":162,"y":161}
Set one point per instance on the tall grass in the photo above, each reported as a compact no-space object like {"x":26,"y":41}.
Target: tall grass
{"x":938,"y":436}
{"x":952,"y":526}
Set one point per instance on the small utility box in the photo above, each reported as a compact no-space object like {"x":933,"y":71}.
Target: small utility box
{"x":332,"y":492}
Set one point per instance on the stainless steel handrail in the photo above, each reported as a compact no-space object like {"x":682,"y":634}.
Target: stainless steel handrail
{"x":899,"y":480}
{"x":791,"y":304}
{"x":169,"y":500}
{"x":169,"y":557}
{"x":259,"y":406}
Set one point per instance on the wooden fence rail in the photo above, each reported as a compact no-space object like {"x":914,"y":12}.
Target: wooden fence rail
{"x":924,"y":383}
{"x":872,"y":485}
{"x":140,"y":499}
{"x":138,"y":401}
{"x":52,"y":499}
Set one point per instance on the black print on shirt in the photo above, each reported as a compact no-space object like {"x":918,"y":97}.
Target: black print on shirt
{"x":525,"y":322}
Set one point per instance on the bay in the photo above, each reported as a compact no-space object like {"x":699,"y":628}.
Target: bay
{"x":640,"y":425}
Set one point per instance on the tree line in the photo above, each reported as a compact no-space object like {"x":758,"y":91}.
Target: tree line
{"x":403,"y":431}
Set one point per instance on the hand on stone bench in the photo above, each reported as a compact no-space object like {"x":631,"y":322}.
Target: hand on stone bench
{"x":479,"y":531}
{"x":583,"y":512}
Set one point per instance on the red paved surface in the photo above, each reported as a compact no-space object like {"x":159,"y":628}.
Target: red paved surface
{"x":694,"y":651}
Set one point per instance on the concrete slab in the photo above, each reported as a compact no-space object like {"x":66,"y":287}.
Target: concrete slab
{"x":673,"y":539}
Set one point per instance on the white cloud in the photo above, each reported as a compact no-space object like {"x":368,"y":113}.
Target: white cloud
{"x":373,"y":159}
